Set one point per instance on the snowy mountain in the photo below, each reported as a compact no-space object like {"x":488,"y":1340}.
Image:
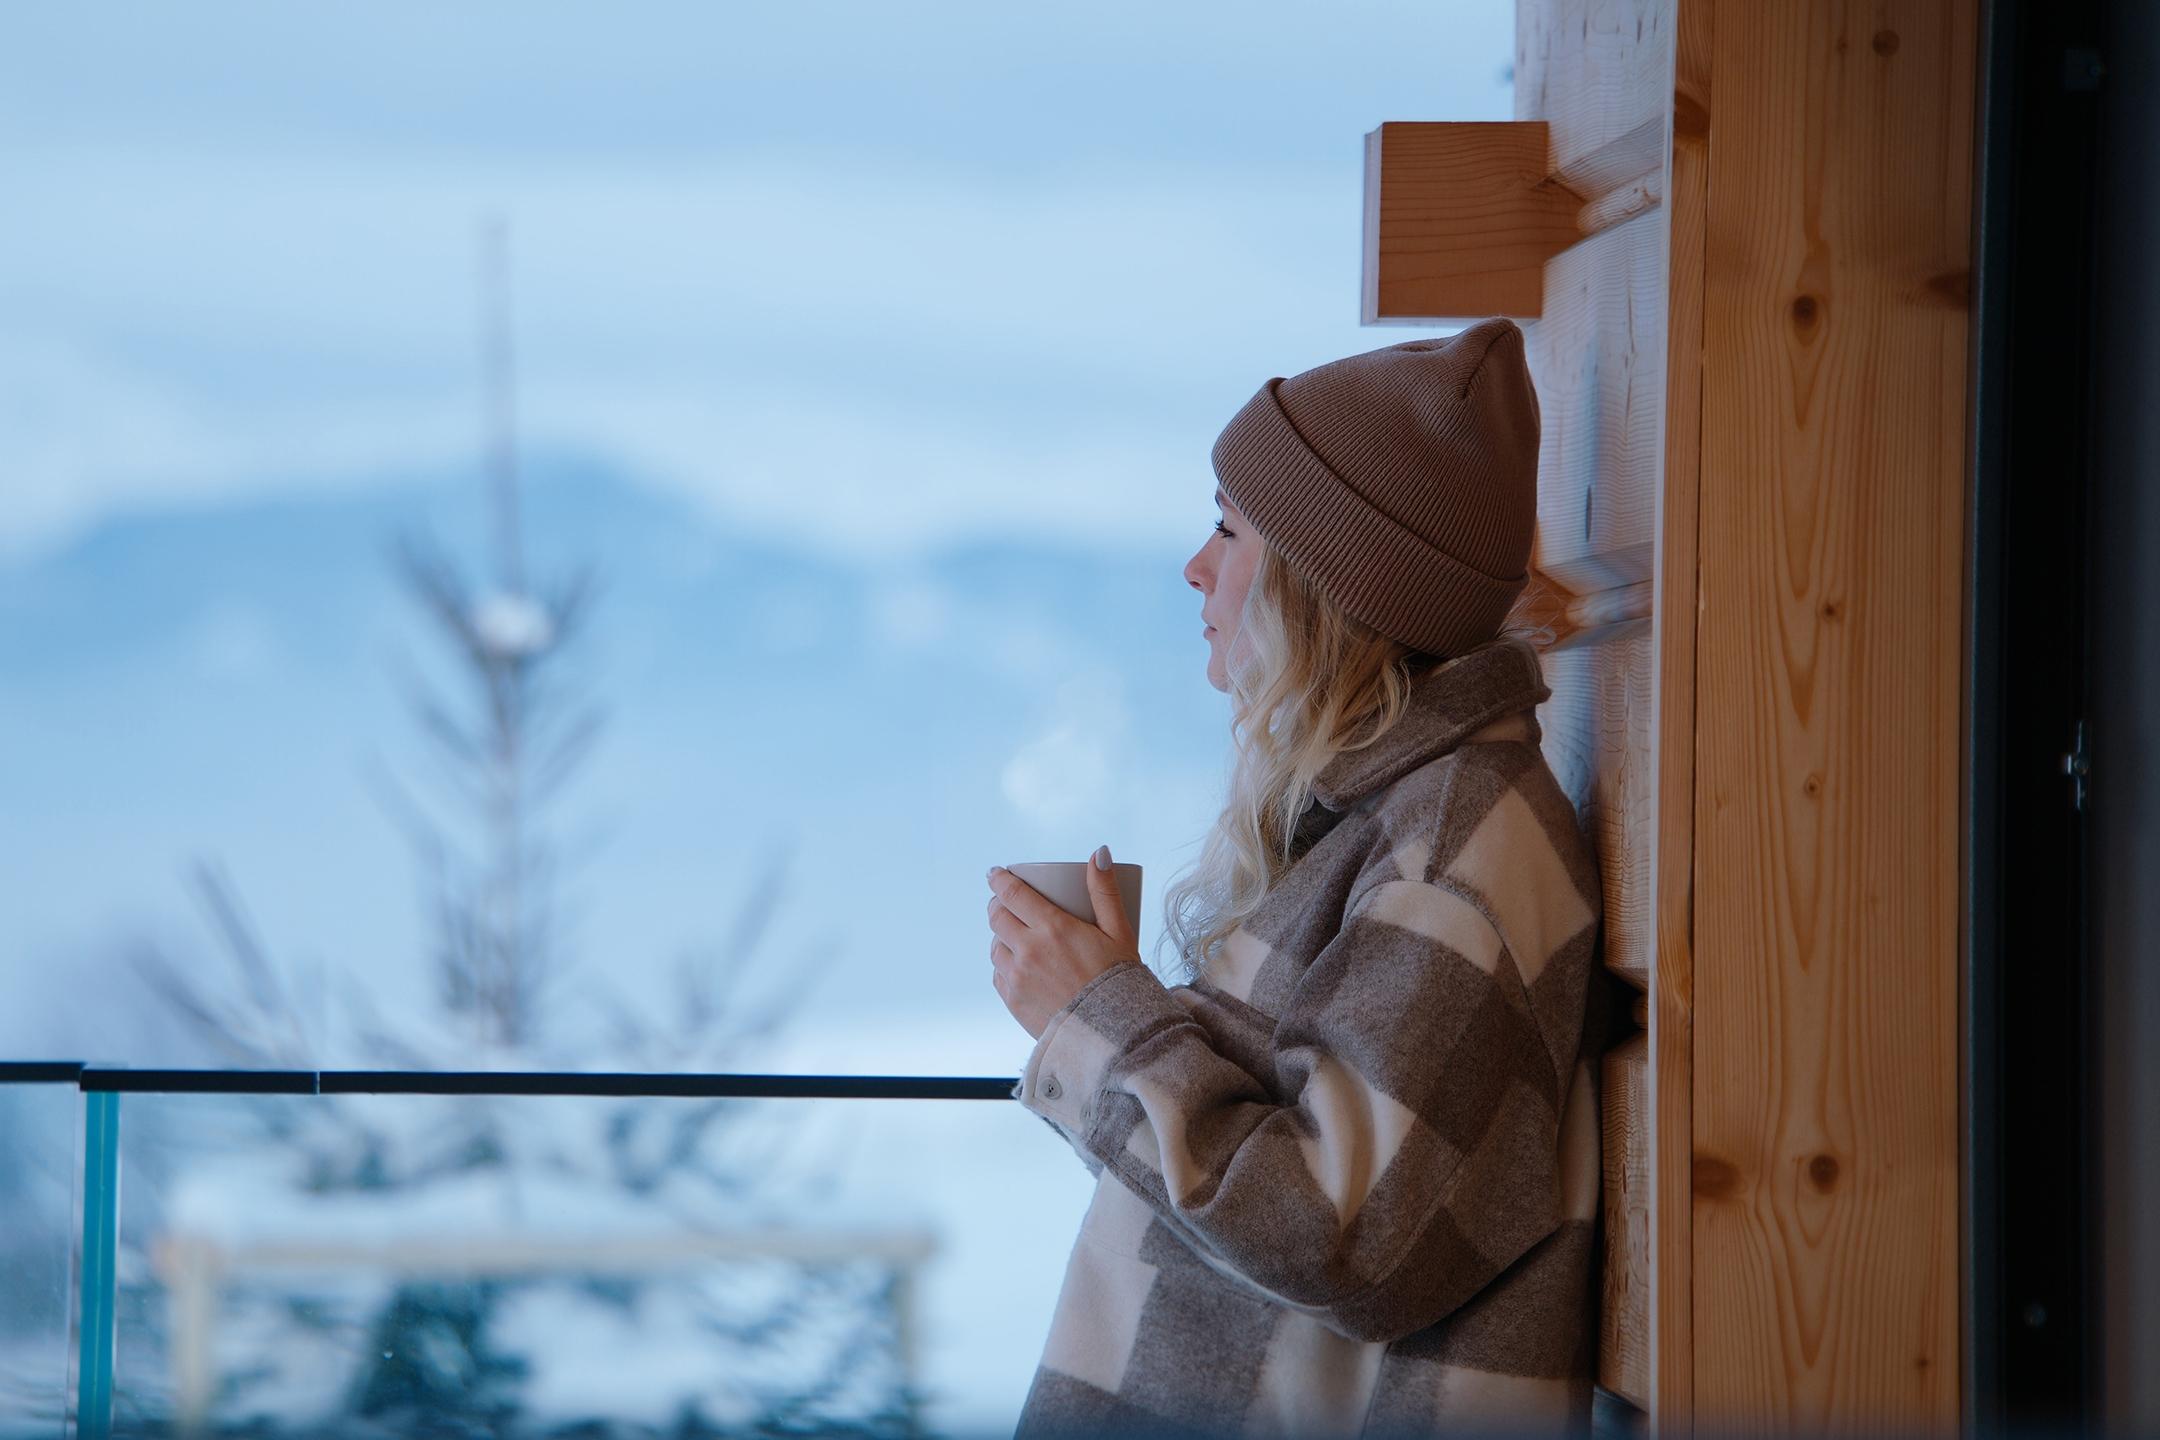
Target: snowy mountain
{"x":223,"y":682}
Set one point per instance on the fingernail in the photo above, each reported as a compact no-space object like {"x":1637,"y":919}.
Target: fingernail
{"x":991,"y":873}
{"x":1102,"y":857}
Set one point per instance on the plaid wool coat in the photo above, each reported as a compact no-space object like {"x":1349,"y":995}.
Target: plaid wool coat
{"x":1347,"y":1179}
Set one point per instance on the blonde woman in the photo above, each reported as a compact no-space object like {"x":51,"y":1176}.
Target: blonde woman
{"x":1347,"y":1165}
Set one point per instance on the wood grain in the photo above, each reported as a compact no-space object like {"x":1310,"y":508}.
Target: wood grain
{"x":1460,"y":220}
{"x":1462,"y":217}
{"x":1827,"y":670}
{"x":1599,"y":75}
{"x":1597,"y":728}
{"x":1624,"y":1338}
{"x":1568,"y":618}
{"x":1598,"y":357}
{"x":1596,"y":71}
{"x":1687,"y":180}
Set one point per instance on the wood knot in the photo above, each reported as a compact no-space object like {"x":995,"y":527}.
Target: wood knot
{"x":1806,"y":315}
{"x":1822,"y":1170}
{"x":1833,"y":609}
{"x":1886,"y":42}
{"x":1952,"y":287}
{"x":1812,"y":787}
{"x":1691,"y":118}
{"x":1715,"y":1178}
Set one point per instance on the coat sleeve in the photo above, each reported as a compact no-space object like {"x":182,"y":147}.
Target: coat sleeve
{"x":1094,"y":1166}
{"x":1414,"y":1154}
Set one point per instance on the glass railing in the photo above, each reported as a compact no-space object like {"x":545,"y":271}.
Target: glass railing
{"x":41,"y":1126}
{"x":368,"y":1253}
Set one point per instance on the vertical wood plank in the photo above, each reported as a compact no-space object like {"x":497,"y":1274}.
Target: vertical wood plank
{"x":1623,"y":1349}
{"x":1827,"y":668}
{"x":1594,"y":70}
{"x":1598,"y":742}
{"x":1672,"y":1065}
{"x":1599,"y":73}
{"x":1597,"y":354}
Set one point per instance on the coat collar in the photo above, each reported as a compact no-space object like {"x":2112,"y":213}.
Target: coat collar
{"x":1448,"y":703}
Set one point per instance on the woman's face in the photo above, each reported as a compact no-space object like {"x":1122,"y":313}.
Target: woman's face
{"x":1222,"y":572}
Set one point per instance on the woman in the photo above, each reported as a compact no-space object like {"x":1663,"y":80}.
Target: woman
{"x":1347,"y":1168}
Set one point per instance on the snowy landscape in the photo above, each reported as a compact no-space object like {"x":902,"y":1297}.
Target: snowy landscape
{"x":871,"y":386}
{"x":901,"y":983}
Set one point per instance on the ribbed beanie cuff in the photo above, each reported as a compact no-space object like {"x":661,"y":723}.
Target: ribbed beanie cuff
{"x":1475,"y":484}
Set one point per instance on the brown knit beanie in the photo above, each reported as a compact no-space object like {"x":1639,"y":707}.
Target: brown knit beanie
{"x":1402,"y":481}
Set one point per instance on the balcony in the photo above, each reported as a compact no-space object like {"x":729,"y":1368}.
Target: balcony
{"x":198,"y":1252}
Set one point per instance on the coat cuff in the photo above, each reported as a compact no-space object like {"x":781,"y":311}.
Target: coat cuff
{"x":1073,"y":1057}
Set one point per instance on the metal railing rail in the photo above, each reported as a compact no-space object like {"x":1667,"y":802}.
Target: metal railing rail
{"x":122,"y":1079}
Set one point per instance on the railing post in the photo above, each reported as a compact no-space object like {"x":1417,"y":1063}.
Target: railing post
{"x":98,"y":1280}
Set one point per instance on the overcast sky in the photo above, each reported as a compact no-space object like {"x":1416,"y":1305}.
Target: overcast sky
{"x":863,"y":276}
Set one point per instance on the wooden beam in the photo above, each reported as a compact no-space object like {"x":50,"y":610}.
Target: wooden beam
{"x":1672,"y":986}
{"x":1832,"y":513}
{"x":1460,"y":219}
{"x":1624,"y":1342}
{"x":1596,"y":71}
{"x":1571,"y":618}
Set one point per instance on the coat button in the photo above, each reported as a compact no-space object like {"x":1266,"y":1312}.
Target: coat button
{"x":1051,"y":1089}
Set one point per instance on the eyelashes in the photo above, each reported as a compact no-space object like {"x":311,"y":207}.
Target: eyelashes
{"x":1220,"y":530}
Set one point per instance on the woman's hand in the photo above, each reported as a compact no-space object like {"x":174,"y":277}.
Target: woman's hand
{"x":1041,"y":956}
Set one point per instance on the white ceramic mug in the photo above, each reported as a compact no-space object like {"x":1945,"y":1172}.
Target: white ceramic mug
{"x":1064,"y":884}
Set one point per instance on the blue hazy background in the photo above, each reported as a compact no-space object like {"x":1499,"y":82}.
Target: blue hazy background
{"x":871,"y":353}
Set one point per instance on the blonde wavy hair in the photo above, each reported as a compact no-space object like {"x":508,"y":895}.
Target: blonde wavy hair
{"x":1316,"y":682}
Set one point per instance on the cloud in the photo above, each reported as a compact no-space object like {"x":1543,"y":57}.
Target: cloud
{"x":91,"y":433}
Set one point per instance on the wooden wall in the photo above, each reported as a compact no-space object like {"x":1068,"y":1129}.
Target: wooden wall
{"x":1741,"y":267}
{"x":1613,"y":355}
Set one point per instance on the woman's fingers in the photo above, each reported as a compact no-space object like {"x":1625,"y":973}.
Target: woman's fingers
{"x":1103,"y":895}
{"x":1024,"y":900}
{"x":1001,"y":957}
{"x":1007,"y":926}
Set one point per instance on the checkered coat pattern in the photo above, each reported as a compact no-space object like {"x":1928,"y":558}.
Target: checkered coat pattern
{"x":1347,"y":1179}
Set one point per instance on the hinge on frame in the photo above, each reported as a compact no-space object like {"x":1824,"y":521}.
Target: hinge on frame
{"x":2077,"y":765}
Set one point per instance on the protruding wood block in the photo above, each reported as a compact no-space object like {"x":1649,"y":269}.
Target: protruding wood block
{"x":1460,"y":219}
{"x":1570,"y":618}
